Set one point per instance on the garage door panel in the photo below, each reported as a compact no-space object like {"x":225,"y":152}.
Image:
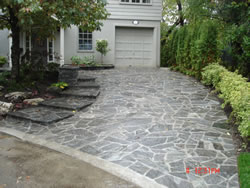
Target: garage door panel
{"x":134,"y":46}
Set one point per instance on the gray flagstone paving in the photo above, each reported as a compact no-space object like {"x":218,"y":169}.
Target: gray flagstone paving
{"x":68,"y":103}
{"x":153,"y":121}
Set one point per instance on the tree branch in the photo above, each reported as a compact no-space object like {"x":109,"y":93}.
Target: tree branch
{"x":181,"y":19}
{"x":3,"y":17}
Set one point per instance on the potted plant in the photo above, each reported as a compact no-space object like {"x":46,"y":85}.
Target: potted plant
{"x":76,"y":60}
{"x":102,"y":47}
{"x":3,"y":60}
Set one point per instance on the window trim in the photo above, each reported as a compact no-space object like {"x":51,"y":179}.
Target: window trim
{"x":25,"y":37}
{"x":53,"y":50}
{"x":141,"y":3}
{"x":78,"y":44}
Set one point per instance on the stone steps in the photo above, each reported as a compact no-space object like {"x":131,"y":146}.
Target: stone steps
{"x":68,"y":103}
{"x":88,"y":85}
{"x":77,"y":97}
{"x":86,"y":79}
{"x":41,"y":115}
{"x":81,"y":92}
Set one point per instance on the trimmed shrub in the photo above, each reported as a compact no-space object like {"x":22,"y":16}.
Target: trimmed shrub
{"x":192,"y":47}
{"x":234,"y":90}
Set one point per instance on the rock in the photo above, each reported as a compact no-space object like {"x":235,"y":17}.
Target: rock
{"x":1,"y":88}
{"x":34,"y":101}
{"x":17,"y":96}
{"x":5,"y":107}
{"x":54,"y":90}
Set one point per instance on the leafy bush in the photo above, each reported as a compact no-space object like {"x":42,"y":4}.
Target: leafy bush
{"x":61,"y":85}
{"x":4,"y":76}
{"x":86,"y":60}
{"x":52,"y":67}
{"x":3,"y":60}
{"x":89,"y":60}
{"x":76,"y":60}
{"x":235,"y":90}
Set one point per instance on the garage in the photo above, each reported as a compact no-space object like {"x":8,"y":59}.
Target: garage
{"x":134,"y":47}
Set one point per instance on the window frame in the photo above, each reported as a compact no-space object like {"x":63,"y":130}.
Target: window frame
{"x":27,"y":40}
{"x":53,"y":50}
{"x":140,"y":3}
{"x":78,"y":41}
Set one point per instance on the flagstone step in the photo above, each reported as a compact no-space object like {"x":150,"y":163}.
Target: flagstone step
{"x":42,"y":115}
{"x":86,"y":79}
{"x":81,"y":92}
{"x":97,"y":67}
{"x":68,"y":103}
{"x":85,"y":85}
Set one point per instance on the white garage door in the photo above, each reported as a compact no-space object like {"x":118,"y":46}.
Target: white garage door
{"x":134,"y":46}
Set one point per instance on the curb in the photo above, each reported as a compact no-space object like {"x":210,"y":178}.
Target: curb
{"x":114,"y":169}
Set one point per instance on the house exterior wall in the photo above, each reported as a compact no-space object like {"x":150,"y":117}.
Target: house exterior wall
{"x":122,"y":15}
{"x":4,"y":42}
{"x":126,"y":11}
{"x":107,"y":32}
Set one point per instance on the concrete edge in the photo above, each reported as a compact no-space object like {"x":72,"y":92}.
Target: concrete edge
{"x":112,"y":168}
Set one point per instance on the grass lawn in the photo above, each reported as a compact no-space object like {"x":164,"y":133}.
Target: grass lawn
{"x":244,"y":170}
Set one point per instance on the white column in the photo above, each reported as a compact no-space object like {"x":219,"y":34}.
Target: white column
{"x":10,"y":45}
{"x":61,"y":46}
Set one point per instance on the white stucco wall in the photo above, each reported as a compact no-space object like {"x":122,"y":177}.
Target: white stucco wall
{"x":108,"y":33}
{"x":4,"y":42}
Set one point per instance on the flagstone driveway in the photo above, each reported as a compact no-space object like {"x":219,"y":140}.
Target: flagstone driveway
{"x":158,"y":123}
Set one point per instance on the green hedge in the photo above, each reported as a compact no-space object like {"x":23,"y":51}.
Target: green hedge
{"x":235,"y":90}
{"x":192,"y":47}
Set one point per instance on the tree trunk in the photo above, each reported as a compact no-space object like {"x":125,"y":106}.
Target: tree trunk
{"x":179,"y":21}
{"x":180,"y":12}
{"x":15,"y":49}
{"x":102,"y":59}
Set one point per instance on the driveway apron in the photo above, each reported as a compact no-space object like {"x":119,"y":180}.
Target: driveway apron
{"x":161,"y":124}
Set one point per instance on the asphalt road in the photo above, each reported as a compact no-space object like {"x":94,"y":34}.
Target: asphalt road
{"x":25,"y":165}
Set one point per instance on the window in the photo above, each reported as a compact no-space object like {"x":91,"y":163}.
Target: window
{"x":136,"y":1}
{"x":50,"y":49}
{"x":27,"y":46}
{"x":85,"y":40}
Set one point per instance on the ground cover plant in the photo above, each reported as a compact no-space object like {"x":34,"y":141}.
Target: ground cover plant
{"x":84,"y":61}
{"x":244,"y":169}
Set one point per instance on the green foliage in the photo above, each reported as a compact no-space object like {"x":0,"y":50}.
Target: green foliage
{"x":214,"y":30}
{"x":234,"y":90}
{"x":76,"y":60}
{"x":192,"y":47}
{"x":244,"y":170}
{"x":52,"y":67}
{"x":102,"y":46}
{"x":86,"y":60}
{"x":4,"y":76}
{"x":12,"y":85}
{"x":45,"y":17}
{"x":61,"y":85}
{"x":32,"y":71}
{"x":3,"y":60}
{"x":40,"y":15}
